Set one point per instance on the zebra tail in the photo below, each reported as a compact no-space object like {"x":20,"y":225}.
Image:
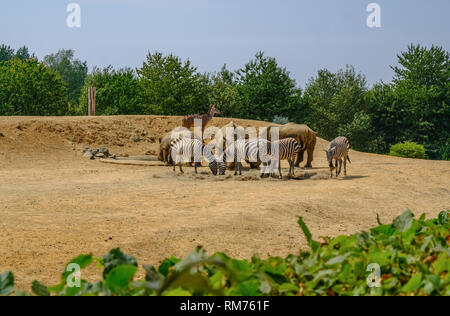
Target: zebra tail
{"x":348,"y":158}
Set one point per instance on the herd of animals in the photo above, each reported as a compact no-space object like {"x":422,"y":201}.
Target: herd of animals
{"x":294,"y":141}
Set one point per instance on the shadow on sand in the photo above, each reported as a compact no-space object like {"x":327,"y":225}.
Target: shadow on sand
{"x":352,"y":177}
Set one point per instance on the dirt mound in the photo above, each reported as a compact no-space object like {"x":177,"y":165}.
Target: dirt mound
{"x":56,"y":204}
{"x":123,"y":135}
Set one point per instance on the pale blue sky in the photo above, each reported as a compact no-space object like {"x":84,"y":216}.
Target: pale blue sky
{"x":304,"y":36}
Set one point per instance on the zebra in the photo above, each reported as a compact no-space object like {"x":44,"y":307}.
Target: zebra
{"x":215,"y":165}
{"x":337,"y":149}
{"x":288,"y":148}
{"x":183,"y":149}
{"x":244,"y":149}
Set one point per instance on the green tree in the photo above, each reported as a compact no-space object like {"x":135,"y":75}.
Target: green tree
{"x":223,"y":92}
{"x":117,"y":93}
{"x":6,"y":53}
{"x":73,"y":71}
{"x":265,"y":89}
{"x":385,"y":116}
{"x":172,"y":87}
{"x":23,"y":53}
{"x":416,"y":106}
{"x":422,"y":83}
{"x":423,"y":66}
{"x":336,"y":104}
{"x":28,"y":87}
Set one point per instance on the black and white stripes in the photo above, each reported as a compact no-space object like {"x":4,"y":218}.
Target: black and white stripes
{"x":337,"y":150}
{"x":253,"y":150}
{"x":184,"y":150}
{"x":216,"y":164}
{"x":271,"y":154}
{"x":243,"y":149}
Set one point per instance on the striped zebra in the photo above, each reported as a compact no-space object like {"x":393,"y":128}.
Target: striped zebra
{"x":337,"y":149}
{"x":288,"y":148}
{"x":244,"y":149}
{"x":184,"y":149}
{"x":216,"y":165}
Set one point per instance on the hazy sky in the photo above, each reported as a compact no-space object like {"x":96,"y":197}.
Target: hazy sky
{"x":304,"y":36}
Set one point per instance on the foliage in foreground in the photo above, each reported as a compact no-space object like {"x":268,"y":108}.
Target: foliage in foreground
{"x":413,"y":256}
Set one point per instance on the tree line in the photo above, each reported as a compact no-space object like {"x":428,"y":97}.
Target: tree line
{"x":414,"y":106}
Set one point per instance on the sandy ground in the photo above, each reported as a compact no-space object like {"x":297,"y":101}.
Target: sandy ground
{"x":55,"y":204}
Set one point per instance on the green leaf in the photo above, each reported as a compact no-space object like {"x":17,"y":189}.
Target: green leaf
{"x":167,"y":264}
{"x":6,"y":283}
{"x":152,"y":275}
{"x":249,"y":288}
{"x":386,"y":230}
{"x":443,"y":217}
{"x":404,"y":221}
{"x":337,"y":259}
{"x":193,"y":258}
{"x":288,"y":288}
{"x":120,"y":277}
{"x":442,"y":264}
{"x":378,"y":220}
{"x":275,"y":266}
{"x":313,"y":244}
{"x":82,"y":261}
{"x":433,"y":283}
{"x":177,"y":292}
{"x":413,"y":284}
{"x":39,"y":289}
{"x":218,"y":280}
{"x":187,"y":280}
{"x":116,"y":258}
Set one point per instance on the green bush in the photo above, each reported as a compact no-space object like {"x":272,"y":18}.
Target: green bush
{"x":28,"y":87}
{"x":411,"y":256}
{"x":408,"y":150}
{"x":118,"y":92}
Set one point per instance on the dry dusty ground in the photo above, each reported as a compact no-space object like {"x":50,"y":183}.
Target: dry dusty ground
{"x":55,"y":204}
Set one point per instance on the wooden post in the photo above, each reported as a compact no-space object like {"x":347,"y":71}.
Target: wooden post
{"x":91,"y":107}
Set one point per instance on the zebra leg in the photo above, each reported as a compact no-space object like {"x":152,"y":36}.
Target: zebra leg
{"x":292,"y":166}
{"x":337,"y":166}
{"x":345,"y":166}
{"x":279,"y":168}
{"x":340,"y":166}
{"x":195,"y":166}
{"x":181,"y":169}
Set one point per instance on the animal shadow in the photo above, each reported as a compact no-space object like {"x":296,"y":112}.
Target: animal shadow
{"x":352,"y":177}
